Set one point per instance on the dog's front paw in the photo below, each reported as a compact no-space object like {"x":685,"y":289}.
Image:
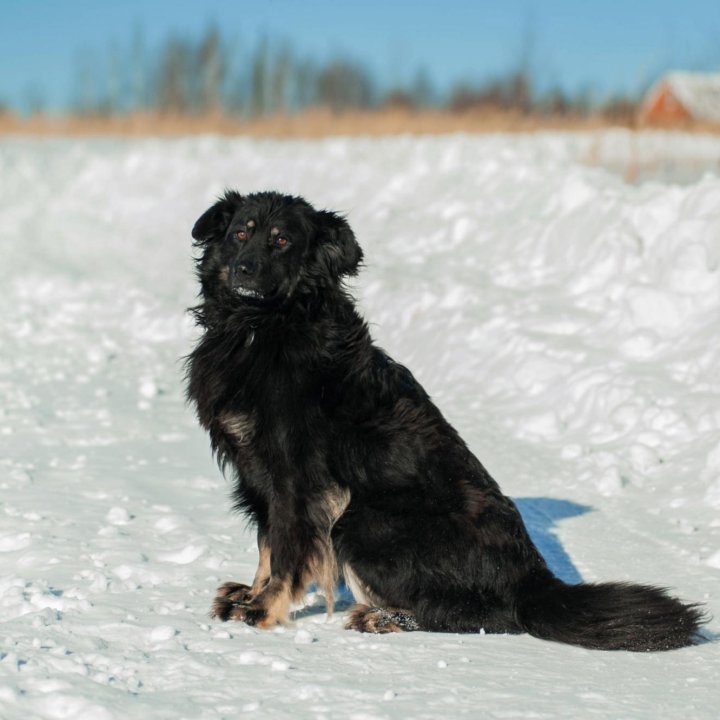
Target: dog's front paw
{"x":264,"y":610}
{"x":253,"y":614}
{"x":230,"y":596}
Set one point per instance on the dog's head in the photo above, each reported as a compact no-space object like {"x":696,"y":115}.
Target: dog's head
{"x":267,"y":247}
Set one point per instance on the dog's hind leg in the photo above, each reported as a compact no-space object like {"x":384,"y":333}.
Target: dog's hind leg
{"x":381,"y":620}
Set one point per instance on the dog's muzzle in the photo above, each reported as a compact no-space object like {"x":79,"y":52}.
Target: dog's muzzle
{"x":242,"y":274}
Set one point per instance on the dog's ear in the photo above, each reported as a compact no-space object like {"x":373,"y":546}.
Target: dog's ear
{"x":337,"y":247}
{"x":215,"y":220}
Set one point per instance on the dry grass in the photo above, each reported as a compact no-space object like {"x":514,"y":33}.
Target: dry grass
{"x":310,"y":124}
{"x":315,"y":123}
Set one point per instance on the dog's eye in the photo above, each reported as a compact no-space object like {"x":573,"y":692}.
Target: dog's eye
{"x":280,"y":241}
{"x":241,"y":235}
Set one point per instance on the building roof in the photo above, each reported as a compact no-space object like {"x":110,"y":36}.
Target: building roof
{"x":699,"y":93}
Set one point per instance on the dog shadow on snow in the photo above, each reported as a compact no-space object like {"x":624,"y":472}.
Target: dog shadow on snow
{"x":541,"y":517}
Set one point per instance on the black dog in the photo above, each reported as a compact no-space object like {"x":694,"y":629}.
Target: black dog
{"x":346,"y":466}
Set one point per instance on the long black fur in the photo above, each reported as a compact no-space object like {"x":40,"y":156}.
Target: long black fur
{"x":302,"y":407}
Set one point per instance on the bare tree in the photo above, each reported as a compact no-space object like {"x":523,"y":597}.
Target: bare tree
{"x":35,"y":99}
{"x":343,"y":85}
{"x":200,"y":75}
{"x":280,"y":79}
{"x":89,"y":78}
{"x":174,"y":81}
{"x":305,"y":82}
{"x":422,"y":90}
{"x":259,"y":79}
{"x":212,"y":68}
{"x":139,"y":72}
{"x":114,"y":89}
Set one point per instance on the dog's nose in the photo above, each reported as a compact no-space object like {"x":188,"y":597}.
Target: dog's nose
{"x":246,"y":267}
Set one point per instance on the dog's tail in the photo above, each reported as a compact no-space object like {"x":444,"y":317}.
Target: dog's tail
{"x":607,"y":616}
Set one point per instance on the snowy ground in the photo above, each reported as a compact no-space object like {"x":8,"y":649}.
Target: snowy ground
{"x":557,"y":295}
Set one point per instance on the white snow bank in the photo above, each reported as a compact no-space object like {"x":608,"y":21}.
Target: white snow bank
{"x":565,"y":321}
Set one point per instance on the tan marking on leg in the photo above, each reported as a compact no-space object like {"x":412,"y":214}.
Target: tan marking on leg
{"x":231,"y":593}
{"x":269,"y":598}
{"x":239,"y":426}
{"x":271,"y":607}
{"x":337,"y":501}
{"x":322,"y":567}
{"x":278,"y":606}
{"x":361,"y":592}
{"x":262,"y":574}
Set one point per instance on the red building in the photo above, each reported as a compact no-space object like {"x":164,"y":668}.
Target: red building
{"x":679,"y":98}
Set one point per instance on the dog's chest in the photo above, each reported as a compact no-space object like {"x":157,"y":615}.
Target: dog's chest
{"x":257,"y":398}
{"x":227,"y":375}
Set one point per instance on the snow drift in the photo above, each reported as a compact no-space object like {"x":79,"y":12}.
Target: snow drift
{"x":563,"y":319}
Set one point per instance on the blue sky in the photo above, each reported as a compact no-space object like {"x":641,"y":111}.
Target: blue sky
{"x":610,"y":46}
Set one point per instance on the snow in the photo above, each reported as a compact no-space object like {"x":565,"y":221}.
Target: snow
{"x":565,"y":320}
